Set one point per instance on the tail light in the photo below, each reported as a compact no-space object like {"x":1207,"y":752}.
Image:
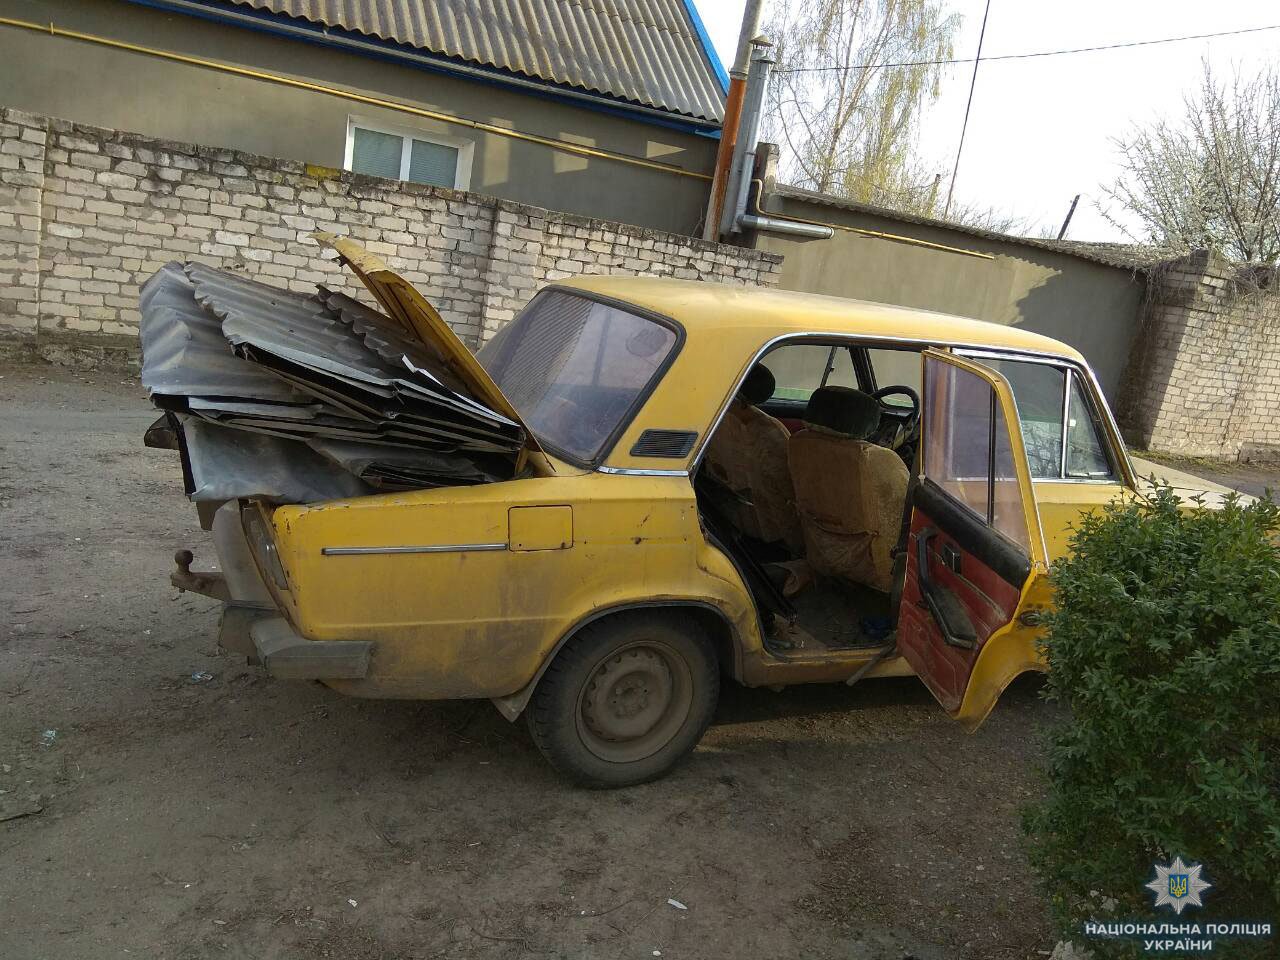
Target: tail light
{"x":257,"y":530}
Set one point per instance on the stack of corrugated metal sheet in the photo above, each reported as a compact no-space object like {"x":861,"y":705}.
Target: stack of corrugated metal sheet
{"x":292,"y":397}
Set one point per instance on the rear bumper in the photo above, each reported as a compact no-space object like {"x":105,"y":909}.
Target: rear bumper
{"x":251,"y":620}
{"x":266,"y":638}
{"x":288,"y":655}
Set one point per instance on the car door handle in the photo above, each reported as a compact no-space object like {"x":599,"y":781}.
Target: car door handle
{"x":950,"y":557}
{"x":947,"y":611}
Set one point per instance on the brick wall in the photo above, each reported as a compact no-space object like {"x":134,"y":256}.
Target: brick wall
{"x":1204,"y":372}
{"x":22,"y":157}
{"x":87,"y":214}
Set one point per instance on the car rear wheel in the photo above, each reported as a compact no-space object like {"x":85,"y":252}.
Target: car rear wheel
{"x":625,"y":699}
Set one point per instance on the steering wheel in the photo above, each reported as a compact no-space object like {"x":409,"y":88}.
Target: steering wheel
{"x":903,"y":430}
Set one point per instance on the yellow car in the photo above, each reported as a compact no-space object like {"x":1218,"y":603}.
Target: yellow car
{"x":709,"y":481}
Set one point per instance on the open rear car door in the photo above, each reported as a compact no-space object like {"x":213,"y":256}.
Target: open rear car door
{"x":975,"y":555}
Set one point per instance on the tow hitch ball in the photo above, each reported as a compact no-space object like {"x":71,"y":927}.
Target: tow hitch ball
{"x":208,"y":582}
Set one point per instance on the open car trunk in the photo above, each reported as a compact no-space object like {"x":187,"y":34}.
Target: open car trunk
{"x":294,"y":398}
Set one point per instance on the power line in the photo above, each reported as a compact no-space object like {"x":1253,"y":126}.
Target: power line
{"x":973,"y":82}
{"x":1040,"y":53}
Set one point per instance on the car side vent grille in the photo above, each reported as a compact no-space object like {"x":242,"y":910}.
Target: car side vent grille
{"x":670,"y":444}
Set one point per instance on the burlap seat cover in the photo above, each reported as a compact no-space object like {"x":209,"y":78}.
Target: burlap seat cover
{"x":748,"y":454}
{"x":850,"y":496}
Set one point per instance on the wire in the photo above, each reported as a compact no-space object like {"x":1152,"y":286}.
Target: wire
{"x":973,"y":82}
{"x":1041,"y":53}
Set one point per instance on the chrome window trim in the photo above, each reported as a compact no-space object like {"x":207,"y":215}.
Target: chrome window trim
{"x":641,"y":472}
{"x":1048,"y":359}
{"x":1127,"y":476}
{"x":1111,"y":481}
{"x":859,"y":339}
{"x":433,"y":548}
{"x":1066,"y":422}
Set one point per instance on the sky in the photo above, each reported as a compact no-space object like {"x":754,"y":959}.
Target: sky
{"x":1040,"y":131}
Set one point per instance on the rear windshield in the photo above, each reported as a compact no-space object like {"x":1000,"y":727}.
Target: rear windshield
{"x":575,"y":369}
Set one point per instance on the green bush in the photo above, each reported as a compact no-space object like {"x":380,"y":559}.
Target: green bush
{"x":1165,"y":647}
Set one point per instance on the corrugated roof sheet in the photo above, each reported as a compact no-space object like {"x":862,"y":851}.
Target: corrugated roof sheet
{"x":643,"y":51}
{"x":1118,"y":255}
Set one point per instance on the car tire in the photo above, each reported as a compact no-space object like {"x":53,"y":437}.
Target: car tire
{"x":625,"y":699}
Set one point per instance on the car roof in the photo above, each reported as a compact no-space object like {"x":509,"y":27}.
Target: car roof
{"x":704,"y":306}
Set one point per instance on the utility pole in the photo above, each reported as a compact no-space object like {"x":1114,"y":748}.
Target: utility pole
{"x":751,"y":15}
{"x":1070,"y":213}
{"x":933,"y":193}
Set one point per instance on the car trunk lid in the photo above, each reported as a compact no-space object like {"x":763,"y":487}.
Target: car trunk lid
{"x":402,"y":301}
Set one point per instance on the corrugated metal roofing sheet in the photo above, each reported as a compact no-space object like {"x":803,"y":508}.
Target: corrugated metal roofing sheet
{"x":644,"y":51}
{"x":184,"y":351}
{"x":274,"y":393}
{"x":1132,"y":258}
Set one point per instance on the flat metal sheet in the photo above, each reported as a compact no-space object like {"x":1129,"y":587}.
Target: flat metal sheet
{"x":385,"y":466}
{"x":424,"y":418}
{"x":227,"y":464}
{"x":309,"y":411}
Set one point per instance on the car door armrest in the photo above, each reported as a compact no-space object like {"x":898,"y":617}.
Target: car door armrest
{"x":947,"y":611}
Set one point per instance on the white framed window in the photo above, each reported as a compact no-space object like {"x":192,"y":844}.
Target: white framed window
{"x":404,"y":153}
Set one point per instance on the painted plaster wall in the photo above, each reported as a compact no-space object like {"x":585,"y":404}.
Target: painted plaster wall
{"x":1089,"y":305}
{"x":89,"y":83}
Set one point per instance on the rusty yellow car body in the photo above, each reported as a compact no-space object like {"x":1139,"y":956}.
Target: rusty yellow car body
{"x":637,"y":486}
{"x":471,"y":591}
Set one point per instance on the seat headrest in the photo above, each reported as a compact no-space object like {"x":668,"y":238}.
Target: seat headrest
{"x":843,"y":410}
{"x":759,"y":385}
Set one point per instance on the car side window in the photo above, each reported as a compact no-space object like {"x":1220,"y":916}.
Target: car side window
{"x":964,"y":420}
{"x":1056,"y":419}
{"x":1086,"y":455}
{"x":957,"y":449}
{"x":1037,"y":392}
{"x":893,"y":368}
{"x":801,"y":368}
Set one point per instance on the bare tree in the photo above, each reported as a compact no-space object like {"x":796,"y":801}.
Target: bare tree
{"x":846,"y":123}
{"x":990,"y":218}
{"x":1211,"y":179}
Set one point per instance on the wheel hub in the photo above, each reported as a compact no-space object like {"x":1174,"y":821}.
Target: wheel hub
{"x":628,"y":695}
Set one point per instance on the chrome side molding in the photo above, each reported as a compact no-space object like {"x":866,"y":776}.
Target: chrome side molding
{"x":432,"y":548}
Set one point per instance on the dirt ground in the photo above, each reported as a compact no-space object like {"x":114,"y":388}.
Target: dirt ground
{"x":237,"y":816}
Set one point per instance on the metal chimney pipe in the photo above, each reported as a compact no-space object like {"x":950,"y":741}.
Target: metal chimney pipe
{"x":732,"y":115}
{"x":796,"y":228}
{"x":744,"y":154}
